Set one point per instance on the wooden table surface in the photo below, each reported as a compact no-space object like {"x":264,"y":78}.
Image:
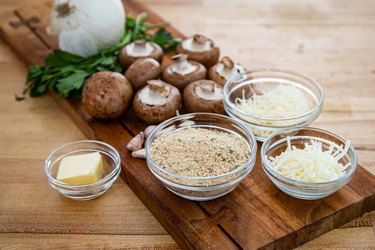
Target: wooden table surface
{"x":332,"y":41}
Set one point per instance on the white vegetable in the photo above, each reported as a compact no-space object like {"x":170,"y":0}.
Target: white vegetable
{"x":311,"y":164}
{"x":86,"y":26}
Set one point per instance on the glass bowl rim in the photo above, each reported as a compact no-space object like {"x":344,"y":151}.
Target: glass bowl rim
{"x":252,"y":145}
{"x":265,"y":164}
{"x":315,"y":109}
{"x":104,"y":180}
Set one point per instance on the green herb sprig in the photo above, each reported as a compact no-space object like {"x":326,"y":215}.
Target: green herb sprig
{"x":66,"y":73}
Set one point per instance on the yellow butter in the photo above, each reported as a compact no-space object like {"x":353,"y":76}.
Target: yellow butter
{"x":80,"y":169}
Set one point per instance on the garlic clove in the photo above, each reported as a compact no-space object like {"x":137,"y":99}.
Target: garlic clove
{"x":141,"y":153}
{"x":186,"y":123}
{"x":137,"y":142}
{"x":148,"y":130}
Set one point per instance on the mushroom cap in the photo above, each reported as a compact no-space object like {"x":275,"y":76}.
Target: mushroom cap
{"x":195,"y":103}
{"x":216,"y":73}
{"x":153,"y":50}
{"x":214,"y":76}
{"x":181,"y":80}
{"x":142,"y":70}
{"x":208,"y":57}
{"x":107,"y":95}
{"x":152,"y":114}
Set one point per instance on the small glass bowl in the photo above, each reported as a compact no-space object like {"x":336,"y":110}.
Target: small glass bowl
{"x":265,"y":79}
{"x":277,"y":143}
{"x":111,"y":164}
{"x":202,"y":188}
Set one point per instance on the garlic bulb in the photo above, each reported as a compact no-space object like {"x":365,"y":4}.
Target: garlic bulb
{"x":86,"y":26}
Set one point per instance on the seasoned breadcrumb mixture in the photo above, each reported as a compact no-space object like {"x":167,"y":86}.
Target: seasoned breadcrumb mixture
{"x":199,"y":152}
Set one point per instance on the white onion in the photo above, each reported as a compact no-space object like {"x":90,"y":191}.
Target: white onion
{"x":86,"y":26}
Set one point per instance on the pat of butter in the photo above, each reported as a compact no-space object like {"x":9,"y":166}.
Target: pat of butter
{"x":80,"y":169}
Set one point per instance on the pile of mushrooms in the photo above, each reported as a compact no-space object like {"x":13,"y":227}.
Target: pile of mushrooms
{"x":195,"y":78}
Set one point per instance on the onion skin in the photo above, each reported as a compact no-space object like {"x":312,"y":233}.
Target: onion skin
{"x":85,"y":27}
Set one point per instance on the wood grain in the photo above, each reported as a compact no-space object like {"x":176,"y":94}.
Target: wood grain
{"x":280,"y":19}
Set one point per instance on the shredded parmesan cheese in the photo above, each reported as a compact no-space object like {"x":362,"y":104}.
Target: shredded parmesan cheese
{"x":311,"y":164}
{"x":281,"y":102}
{"x":284,"y":101}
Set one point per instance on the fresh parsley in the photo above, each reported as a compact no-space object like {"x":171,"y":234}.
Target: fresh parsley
{"x":66,"y":73}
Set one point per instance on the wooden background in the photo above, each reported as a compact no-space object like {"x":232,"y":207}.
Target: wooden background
{"x":332,"y":41}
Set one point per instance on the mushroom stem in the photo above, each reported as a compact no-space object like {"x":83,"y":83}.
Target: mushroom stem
{"x":227,"y":62}
{"x":199,"y":43}
{"x":140,"y":43}
{"x":158,"y":87}
{"x":207,"y":87}
{"x":199,"y":39}
{"x":182,"y":66}
{"x":208,"y":90}
{"x":226,"y":68}
{"x":179,"y":58}
{"x":139,"y":46}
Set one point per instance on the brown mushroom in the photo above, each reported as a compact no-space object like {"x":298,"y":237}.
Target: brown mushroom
{"x":204,"y":96}
{"x":139,"y":49}
{"x":183,"y":71}
{"x":157,"y":101}
{"x":142,"y":70}
{"x":200,"y":49}
{"x":224,"y":70}
{"x":107,"y":95}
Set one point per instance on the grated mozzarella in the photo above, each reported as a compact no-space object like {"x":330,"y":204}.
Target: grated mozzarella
{"x":311,"y":164}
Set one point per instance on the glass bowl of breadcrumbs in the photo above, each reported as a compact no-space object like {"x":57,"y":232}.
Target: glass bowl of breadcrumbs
{"x":201,"y":156}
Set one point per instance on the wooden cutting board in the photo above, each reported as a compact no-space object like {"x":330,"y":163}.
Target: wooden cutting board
{"x":255,"y":215}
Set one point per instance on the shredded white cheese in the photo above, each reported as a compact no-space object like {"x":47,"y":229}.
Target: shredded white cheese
{"x":311,"y":164}
{"x":281,"y":102}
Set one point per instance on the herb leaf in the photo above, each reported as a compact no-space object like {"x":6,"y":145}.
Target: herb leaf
{"x":61,"y":58}
{"x":66,"y":73}
{"x":74,"y":81}
{"x":164,"y":38}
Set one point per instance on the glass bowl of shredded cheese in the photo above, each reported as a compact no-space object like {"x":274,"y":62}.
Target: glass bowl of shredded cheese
{"x":271,"y":99}
{"x":308,"y":163}
{"x":201,"y":156}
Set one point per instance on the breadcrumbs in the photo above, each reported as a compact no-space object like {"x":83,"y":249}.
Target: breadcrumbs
{"x":199,"y":152}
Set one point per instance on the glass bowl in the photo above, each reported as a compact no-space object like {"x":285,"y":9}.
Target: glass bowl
{"x":111,"y":166}
{"x":202,"y":188}
{"x":265,"y":79}
{"x":277,"y":143}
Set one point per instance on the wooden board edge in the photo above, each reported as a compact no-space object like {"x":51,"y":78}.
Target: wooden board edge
{"x":314,"y":230}
{"x":69,"y":109}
